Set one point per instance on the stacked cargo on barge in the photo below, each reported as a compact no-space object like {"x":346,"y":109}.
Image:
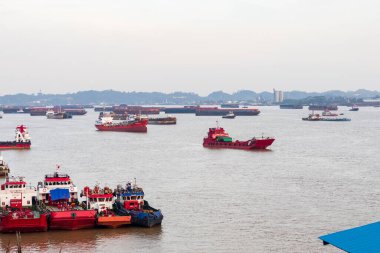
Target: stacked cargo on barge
{"x":169,"y":120}
{"x":4,"y":169}
{"x":184,"y":109}
{"x":128,"y":109}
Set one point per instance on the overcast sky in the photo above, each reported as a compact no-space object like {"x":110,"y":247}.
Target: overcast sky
{"x":62,"y":46}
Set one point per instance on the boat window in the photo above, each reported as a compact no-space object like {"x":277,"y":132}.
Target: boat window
{"x":28,"y":202}
{"x":101,"y":199}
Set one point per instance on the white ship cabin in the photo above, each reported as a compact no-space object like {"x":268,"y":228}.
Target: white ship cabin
{"x":104,"y":120}
{"x":22,"y":134}
{"x":15,"y":193}
{"x":56,"y":181}
{"x":99,"y":199}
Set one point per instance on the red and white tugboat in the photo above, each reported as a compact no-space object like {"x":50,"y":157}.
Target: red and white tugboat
{"x":16,"y":201}
{"x":102,"y":201}
{"x":22,"y":139}
{"x":132,"y":124}
{"x":60,"y":197}
{"x":218,"y":138}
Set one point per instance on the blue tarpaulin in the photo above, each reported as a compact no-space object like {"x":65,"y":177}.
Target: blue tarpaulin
{"x":58,"y":194}
{"x":364,"y":239}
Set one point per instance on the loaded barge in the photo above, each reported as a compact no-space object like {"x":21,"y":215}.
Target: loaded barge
{"x":215,"y":111}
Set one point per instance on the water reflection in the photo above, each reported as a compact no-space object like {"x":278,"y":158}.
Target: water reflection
{"x":79,"y":240}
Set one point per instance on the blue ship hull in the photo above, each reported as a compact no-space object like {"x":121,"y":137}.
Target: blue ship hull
{"x":144,"y":219}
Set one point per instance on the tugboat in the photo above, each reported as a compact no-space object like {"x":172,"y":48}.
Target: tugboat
{"x":4,"y":169}
{"x":229,"y":115}
{"x":22,"y":139}
{"x":218,"y":138}
{"x":59,"y":196}
{"x":16,"y":208}
{"x":102,"y":201}
{"x":130,"y":201}
{"x":132,"y":124}
{"x":317,"y":117}
{"x":50,"y":114}
{"x":354,"y":108}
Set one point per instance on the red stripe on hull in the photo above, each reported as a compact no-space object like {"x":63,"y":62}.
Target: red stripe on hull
{"x":15,"y":146}
{"x":258,"y":144}
{"x":9,"y":225}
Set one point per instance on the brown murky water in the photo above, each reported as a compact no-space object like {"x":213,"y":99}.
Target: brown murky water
{"x":318,"y":177}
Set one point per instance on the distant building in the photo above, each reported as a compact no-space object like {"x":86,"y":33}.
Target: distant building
{"x":278,"y":96}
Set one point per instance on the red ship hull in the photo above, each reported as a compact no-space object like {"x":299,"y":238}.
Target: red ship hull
{"x":246,"y":145}
{"x":72,"y":220}
{"x":138,"y":127}
{"x":8,"y":224}
{"x":14,"y":145}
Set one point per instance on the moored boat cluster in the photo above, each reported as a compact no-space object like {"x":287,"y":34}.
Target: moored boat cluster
{"x":54,"y":205}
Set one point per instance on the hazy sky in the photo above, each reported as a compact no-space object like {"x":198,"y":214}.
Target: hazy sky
{"x":62,"y":46}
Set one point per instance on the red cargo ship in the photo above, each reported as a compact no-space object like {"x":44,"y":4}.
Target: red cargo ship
{"x":16,"y":203}
{"x":136,"y":124}
{"x":218,"y":138}
{"x":60,"y":197}
{"x":22,"y":139}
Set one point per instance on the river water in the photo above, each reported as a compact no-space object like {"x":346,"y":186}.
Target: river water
{"x":317,"y":178}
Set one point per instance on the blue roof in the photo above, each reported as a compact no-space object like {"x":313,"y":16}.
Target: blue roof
{"x":127,"y":194}
{"x":58,"y":194}
{"x":364,"y":239}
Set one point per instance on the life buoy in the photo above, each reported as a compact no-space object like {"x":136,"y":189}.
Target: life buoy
{"x":71,"y":189}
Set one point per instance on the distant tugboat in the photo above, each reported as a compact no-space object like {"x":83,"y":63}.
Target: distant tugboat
{"x":136,"y":124}
{"x":354,"y":108}
{"x":22,"y":139}
{"x":218,"y":138}
{"x":229,"y":115}
{"x":16,"y":212}
{"x":59,"y":197}
{"x":317,"y":117}
{"x":102,"y":201}
{"x":130,"y":201}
